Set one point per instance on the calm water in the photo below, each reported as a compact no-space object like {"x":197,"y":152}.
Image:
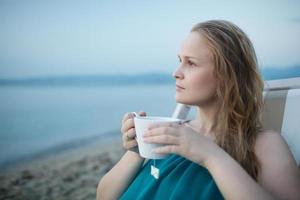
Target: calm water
{"x":33,"y":119}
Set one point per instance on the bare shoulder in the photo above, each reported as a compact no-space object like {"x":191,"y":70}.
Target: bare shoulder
{"x":270,"y":143}
{"x":279,"y":172}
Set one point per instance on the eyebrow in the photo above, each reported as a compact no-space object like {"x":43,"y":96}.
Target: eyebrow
{"x":189,"y":57}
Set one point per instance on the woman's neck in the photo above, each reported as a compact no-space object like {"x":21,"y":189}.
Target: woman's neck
{"x":206,"y":118}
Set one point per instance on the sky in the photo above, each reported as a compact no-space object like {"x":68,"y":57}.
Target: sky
{"x":64,"y":37}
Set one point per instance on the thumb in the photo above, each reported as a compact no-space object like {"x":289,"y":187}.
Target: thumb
{"x":142,"y":113}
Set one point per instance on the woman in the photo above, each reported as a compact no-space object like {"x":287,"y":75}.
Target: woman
{"x":223,"y":152}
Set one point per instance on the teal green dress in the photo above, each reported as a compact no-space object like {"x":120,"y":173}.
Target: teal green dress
{"x":179,"y":179}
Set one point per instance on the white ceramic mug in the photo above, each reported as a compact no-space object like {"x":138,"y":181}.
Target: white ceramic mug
{"x":141,"y":125}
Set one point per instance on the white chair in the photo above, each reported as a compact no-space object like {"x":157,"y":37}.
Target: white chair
{"x":282,"y":109}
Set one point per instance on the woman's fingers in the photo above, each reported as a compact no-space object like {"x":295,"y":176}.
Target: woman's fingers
{"x":168,"y":149}
{"x":128,"y":121}
{"x":128,"y":136}
{"x":142,"y":113}
{"x":126,"y":116}
{"x":130,"y":133}
{"x":128,"y":124}
{"x":162,"y":139}
{"x":131,"y":115}
{"x":170,"y":124}
{"x":163,"y":130}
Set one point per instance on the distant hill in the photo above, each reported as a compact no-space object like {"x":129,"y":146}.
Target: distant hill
{"x":91,"y":80}
{"x":268,"y":73}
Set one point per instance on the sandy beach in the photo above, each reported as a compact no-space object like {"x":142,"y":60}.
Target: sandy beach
{"x":69,"y":174}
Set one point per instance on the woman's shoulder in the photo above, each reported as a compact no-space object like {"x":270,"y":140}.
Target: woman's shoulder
{"x":269,"y":139}
{"x":271,"y":145}
{"x":279,"y":172}
{"x":266,"y":136}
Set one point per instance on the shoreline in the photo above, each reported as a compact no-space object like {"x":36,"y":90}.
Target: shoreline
{"x":70,"y":173}
{"x":57,"y":149}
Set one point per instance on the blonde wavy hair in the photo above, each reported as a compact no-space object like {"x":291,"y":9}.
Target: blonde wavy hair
{"x":240,"y":89}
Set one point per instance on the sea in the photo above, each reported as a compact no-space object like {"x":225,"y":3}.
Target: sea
{"x":36,"y":119}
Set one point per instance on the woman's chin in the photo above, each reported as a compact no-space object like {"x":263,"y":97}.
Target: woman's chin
{"x":181,"y":100}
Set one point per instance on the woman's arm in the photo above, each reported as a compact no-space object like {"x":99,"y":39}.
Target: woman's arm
{"x":232,"y":180}
{"x":279,"y":177}
{"x":280,"y":174}
{"x":114,"y":183}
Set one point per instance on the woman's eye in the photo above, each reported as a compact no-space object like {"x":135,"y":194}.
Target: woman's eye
{"x":191,"y":63}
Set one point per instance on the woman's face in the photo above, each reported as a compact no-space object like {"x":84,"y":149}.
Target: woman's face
{"x":195,"y":81}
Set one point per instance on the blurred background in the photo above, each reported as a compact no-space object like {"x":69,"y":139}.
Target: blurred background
{"x":70,"y":70}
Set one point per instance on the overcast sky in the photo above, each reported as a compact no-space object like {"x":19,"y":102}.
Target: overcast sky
{"x":60,"y":37}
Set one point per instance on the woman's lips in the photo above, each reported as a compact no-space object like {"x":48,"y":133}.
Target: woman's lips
{"x":179,"y":87}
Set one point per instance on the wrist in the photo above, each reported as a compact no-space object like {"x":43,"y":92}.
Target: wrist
{"x":134,"y":155}
{"x":217,"y":157}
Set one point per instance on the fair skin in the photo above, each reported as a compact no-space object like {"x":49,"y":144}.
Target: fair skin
{"x":279,"y":177}
{"x":115,"y":182}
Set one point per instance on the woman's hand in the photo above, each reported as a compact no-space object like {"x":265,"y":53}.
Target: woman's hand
{"x":128,"y":132}
{"x":182,"y":140}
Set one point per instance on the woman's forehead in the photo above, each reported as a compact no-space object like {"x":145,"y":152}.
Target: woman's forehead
{"x":195,"y":46}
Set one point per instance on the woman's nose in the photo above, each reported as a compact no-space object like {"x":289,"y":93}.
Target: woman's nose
{"x":177,"y":74}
